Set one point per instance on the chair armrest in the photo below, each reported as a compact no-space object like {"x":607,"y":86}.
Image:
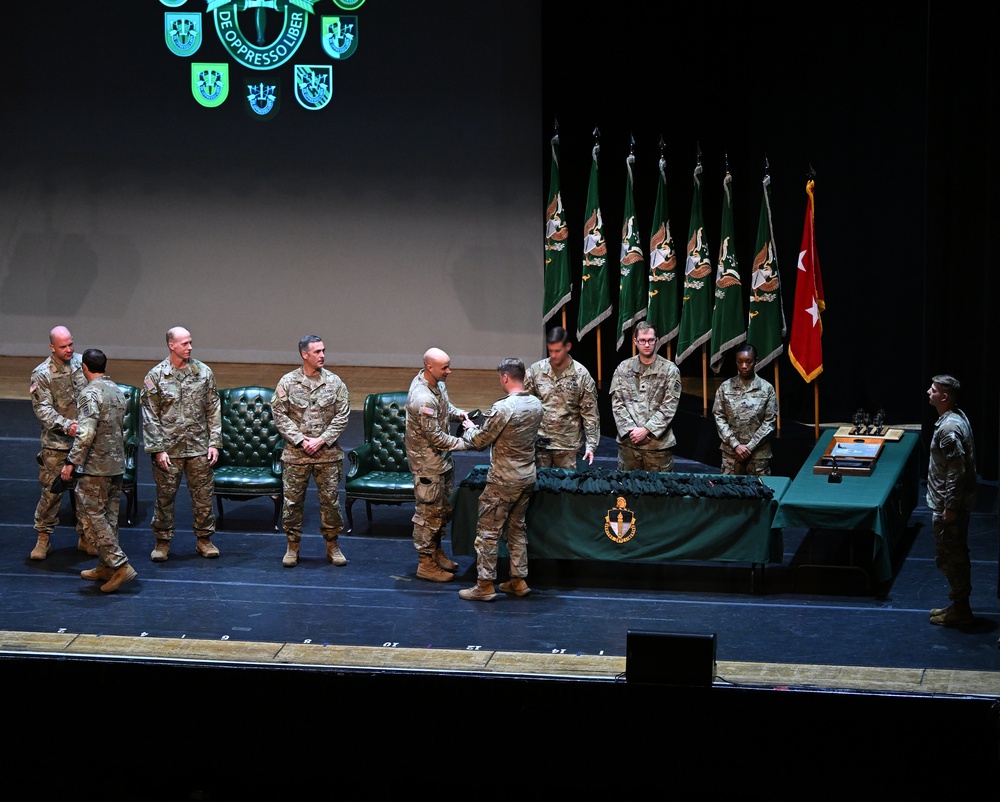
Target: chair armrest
{"x":361,"y":461}
{"x":130,"y":452}
{"x":276,"y":458}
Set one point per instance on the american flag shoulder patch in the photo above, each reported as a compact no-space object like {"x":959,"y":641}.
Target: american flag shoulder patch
{"x":427,"y":411}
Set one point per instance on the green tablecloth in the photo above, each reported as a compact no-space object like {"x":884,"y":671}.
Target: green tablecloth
{"x":880,"y":503}
{"x":572,"y":526}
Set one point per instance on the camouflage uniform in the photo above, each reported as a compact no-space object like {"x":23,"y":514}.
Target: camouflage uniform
{"x":745,"y":414}
{"x":99,"y":456}
{"x":54,"y":389}
{"x":181,"y":414}
{"x":646,"y":396}
{"x":303,"y":407}
{"x":511,"y":426}
{"x":951,"y":485}
{"x":428,"y":453}
{"x":571,"y":417}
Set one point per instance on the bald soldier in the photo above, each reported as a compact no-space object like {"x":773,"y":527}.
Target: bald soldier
{"x":182,"y":433}
{"x":55,"y":386}
{"x":428,"y":452}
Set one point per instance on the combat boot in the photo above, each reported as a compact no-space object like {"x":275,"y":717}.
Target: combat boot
{"x":291,"y":558}
{"x":83,"y":544}
{"x":124,"y":573}
{"x":516,"y":586}
{"x":443,"y":560}
{"x":483,"y":590}
{"x":41,"y":547}
{"x":99,"y":574}
{"x":334,"y":554}
{"x":428,"y":569}
{"x":206,"y":548}
{"x":161,"y":551}
{"x":957,"y":614}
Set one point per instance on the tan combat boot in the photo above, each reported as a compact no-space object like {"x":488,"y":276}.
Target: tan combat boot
{"x":83,"y":544}
{"x":206,"y":548}
{"x":516,"y":586}
{"x":99,"y":574}
{"x":428,"y":569}
{"x":41,"y":547}
{"x":161,"y":551}
{"x":334,"y":554}
{"x":291,"y":558}
{"x":443,"y":560}
{"x":124,"y":573}
{"x":956,"y":614}
{"x":483,"y":590}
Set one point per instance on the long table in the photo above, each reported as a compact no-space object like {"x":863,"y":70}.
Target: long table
{"x":880,"y":503}
{"x":572,"y":526}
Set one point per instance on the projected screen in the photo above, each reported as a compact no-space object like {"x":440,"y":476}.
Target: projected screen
{"x":257,"y":171}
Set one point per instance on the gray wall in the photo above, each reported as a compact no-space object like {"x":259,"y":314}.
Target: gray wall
{"x":405,"y":214}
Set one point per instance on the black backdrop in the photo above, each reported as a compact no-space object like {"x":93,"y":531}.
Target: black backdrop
{"x":893,"y":107}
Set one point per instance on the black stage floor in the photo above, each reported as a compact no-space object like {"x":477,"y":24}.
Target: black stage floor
{"x":814,"y":608}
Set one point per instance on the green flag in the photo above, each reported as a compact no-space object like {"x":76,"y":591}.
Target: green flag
{"x":728,"y":323}
{"x":696,"y":303}
{"x":766,"y":328}
{"x":632,"y":294}
{"x":556,"y":274}
{"x":595,"y":297}
{"x":664,"y":296}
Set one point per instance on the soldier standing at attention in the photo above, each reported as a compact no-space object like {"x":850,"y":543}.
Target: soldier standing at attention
{"x":310,"y":407}
{"x":428,"y":453}
{"x":569,"y":398}
{"x":510,"y":426}
{"x":645,"y":393}
{"x":55,"y":385}
{"x":745,"y":411}
{"x":98,"y":457}
{"x":182,"y":433}
{"x":951,"y":495}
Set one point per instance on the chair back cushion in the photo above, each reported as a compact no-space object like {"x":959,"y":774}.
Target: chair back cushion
{"x":385,"y":429}
{"x":249,"y":434}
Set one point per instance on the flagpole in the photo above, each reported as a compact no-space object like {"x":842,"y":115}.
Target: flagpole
{"x":704,"y":378}
{"x":816,"y":405}
{"x":777,"y":394}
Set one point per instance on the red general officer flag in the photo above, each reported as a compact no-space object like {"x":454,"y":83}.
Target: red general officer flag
{"x":805,"y":346}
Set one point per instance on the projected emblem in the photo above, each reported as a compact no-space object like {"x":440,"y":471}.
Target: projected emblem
{"x":263,"y":99}
{"x":619,"y":523}
{"x":265,"y":38}
{"x":210,"y":83}
{"x":313,"y":85}
{"x":340,"y":36}
{"x":348,"y":5}
{"x":183,"y":33}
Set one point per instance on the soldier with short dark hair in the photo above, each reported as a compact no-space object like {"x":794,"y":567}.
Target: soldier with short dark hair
{"x":510,"y":427}
{"x":951,"y":495}
{"x":98,"y":459}
{"x":746,"y":413}
{"x":311,"y":406}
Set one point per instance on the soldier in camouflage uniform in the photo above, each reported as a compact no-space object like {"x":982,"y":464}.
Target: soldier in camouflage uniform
{"x":746,"y":411}
{"x":645,"y":393}
{"x":428,"y":453}
{"x":951,"y":495}
{"x":98,"y":457}
{"x":55,"y":385}
{"x":510,"y":426}
{"x":569,"y":397}
{"x":310,"y":407}
{"x":182,"y":433}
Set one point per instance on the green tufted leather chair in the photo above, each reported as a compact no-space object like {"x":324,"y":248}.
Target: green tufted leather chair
{"x":130,"y":480}
{"x":379,"y":472}
{"x":249,"y":463}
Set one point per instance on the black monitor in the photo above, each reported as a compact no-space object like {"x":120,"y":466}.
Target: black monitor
{"x":670,"y":658}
